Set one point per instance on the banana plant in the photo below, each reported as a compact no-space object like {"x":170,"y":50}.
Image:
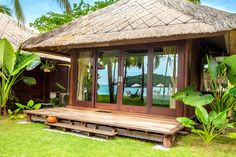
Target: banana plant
{"x":213,"y":123}
{"x":223,"y":86}
{"x":12,"y":66}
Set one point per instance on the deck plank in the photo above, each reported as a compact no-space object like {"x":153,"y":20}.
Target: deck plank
{"x":142,"y":122}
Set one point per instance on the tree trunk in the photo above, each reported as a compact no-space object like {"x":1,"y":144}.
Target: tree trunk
{"x":4,"y":111}
{"x":124,"y":78}
{"x":111,"y":85}
{"x":164,"y":87}
{"x":142,"y":82}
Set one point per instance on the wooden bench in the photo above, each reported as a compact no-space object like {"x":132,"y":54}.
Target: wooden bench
{"x":70,"y":127}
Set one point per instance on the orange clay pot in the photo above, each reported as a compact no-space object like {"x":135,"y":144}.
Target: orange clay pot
{"x":52,"y":119}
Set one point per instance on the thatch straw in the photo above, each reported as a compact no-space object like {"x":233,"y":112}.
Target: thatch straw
{"x":132,"y":20}
{"x":17,"y":33}
{"x":11,"y":30}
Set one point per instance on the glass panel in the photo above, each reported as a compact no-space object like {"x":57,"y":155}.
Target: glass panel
{"x":85,"y":76}
{"x":164,"y":85}
{"x":135,"y":77}
{"x":107,"y":77}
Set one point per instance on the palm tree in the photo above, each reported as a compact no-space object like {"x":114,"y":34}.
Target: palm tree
{"x":65,"y":4}
{"x":5,"y":10}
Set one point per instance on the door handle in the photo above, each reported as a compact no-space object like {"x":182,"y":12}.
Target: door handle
{"x":120,"y":79}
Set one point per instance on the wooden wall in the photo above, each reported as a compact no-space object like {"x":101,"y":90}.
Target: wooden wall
{"x":46,"y":83}
{"x":193,"y":63}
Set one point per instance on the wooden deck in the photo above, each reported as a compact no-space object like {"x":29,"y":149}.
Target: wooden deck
{"x":143,"y":126}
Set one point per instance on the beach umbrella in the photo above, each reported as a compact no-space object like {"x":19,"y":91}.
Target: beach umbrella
{"x":136,"y":85}
{"x":160,"y":85}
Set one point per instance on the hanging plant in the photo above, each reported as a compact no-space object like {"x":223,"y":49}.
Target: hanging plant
{"x":48,"y":66}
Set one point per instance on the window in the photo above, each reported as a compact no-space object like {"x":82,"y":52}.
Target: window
{"x":165,"y":71}
{"x":85,"y":76}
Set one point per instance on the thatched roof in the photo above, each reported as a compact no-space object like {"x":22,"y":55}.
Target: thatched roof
{"x":133,"y":21}
{"x":17,"y":34}
{"x":10,"y":29}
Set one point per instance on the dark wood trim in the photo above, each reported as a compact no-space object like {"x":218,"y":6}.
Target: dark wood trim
{"x":73,"y":76}
{"x":134,"y":46}
{"x":146,"y":41}
{"x":181,"y":77}
{"x":163,"y":111}
{"x":120,"y":84}
{"x":136,"y":109}
{"x":150,"y":79}
{"x":106,"y":106}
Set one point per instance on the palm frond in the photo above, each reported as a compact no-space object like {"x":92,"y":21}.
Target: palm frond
{"x":64,"y":4}
{"x":18,"y":11}
{"x":5,"y":10}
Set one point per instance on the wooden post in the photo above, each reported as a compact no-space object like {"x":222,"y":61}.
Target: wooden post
{"x":66,"y":130}
{"x":167,"y":141}
{"x":29,"y":119}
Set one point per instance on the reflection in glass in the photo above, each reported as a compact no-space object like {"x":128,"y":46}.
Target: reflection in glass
{"x":164,"y":85}
{"x":85,"y":76}
{"x":135,"y":77}
{"x":107,"y":77}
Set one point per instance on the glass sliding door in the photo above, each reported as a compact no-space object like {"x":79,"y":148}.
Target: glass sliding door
{"x":135,"y":78}
{"x":85,"y":77}
{"x":107,"y":76}
{"x":164,"y":81}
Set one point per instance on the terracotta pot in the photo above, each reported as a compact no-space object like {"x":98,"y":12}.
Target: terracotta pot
{"x":52,"y":119}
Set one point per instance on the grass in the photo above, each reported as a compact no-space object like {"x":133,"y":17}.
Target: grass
{"x":30,"y":140}
{"x":134,"y":101}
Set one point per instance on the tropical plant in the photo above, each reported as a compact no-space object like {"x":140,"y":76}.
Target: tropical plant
{"x":221,"y":99}
{"x":53,"y":20}
{"x":18,"y":10}
{"x":223,"y":83}
{"x":29,"y":106}
{"x":48,"y":66}
{"x":13,"y":115}
{"x":213,"y":123}
{"x":5,"y":10}
{"x":12,"y":66}
{"x":223,"y":95}
{"x":60,"y":88}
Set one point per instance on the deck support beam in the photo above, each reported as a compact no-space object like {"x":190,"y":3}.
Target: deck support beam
{"x":29,"y":118}
{"x":167,"y":141}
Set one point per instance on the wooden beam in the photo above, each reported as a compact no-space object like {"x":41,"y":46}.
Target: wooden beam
{"x":73,"y":71}
{"x":167,"y":141}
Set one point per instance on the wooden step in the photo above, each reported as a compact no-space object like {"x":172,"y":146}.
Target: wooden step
{"x":82,"y":128}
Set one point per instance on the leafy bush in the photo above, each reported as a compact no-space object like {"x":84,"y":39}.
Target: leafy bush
{"x":29,"y":106}
{"x":15,"y":116}
{"x":213,"y":123}
{"x":222,"y":100}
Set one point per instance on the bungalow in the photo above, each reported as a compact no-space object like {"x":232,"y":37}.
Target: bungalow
{"x":128,"y":59}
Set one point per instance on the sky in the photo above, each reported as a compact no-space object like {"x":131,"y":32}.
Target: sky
{"x":35,"y":8}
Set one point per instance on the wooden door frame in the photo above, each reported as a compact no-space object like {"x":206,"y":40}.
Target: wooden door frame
{"x":178,"y":111}
{"x":107,"y":106}
{"x":75,"y":81}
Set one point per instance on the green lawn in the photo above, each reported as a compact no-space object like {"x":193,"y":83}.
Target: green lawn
{"x":30,"y":140}
{"x":134,"y":101}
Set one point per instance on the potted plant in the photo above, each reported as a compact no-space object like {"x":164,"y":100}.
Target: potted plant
{"x":48,"y":66}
